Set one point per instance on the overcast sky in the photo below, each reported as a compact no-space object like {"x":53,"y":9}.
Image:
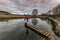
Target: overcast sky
{"x":26,"y":6}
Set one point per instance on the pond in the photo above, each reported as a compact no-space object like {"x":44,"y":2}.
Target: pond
{"x":15,"y":30}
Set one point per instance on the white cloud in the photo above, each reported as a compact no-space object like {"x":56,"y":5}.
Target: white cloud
{"x":28,"y":5}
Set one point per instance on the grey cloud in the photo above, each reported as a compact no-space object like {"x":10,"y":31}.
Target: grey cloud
{"x":29,"y":5}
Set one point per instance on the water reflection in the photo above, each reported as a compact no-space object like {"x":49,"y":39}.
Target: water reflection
{"x":34,"y":21}
{"x":1,"y":20}
{"x":15,"y":30}
{"x":54,"y":26}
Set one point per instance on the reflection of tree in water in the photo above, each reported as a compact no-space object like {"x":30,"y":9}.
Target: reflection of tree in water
{"x":34,"y":13}
{"x":34,"y":21}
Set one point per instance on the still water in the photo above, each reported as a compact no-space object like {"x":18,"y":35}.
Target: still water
{"x":15,"y":30}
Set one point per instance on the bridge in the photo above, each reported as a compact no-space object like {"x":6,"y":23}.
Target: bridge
{"x":41,"y":32}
